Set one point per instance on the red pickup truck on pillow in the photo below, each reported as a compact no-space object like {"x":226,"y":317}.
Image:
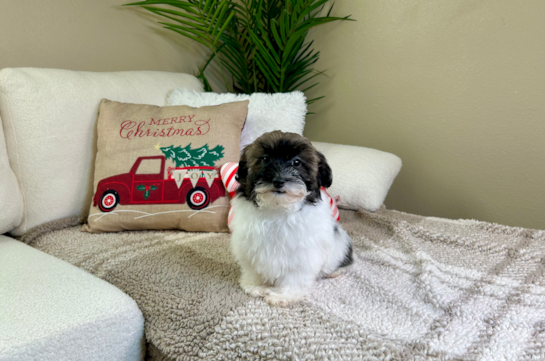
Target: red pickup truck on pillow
{"x":196,"y":186}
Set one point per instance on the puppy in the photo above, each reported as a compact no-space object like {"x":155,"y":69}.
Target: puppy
{"x":284,"y":236}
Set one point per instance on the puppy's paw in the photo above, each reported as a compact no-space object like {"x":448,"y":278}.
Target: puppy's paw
{"x":282,"y":300}
{"x":337,"y":273}
{"x":255,"y":291}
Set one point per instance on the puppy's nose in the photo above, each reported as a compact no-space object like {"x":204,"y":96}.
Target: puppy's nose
{"x":278,"y":183}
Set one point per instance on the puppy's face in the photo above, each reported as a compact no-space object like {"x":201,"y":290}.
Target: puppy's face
{"x":282,"y":170}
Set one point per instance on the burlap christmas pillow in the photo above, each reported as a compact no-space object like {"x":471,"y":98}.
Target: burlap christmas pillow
{"x":158,"y":167}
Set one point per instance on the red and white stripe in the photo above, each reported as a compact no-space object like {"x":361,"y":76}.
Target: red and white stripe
{"x":332,"y":204}
{"x":228,"y":172}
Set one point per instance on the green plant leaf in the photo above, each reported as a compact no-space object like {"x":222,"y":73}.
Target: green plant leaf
{"x":197,"y":32}
{"x":219,"y":9}
{"x":310,"y":101}
{"x":163,"y":12}
{"x":206,"y":84}
{"x":188,"y":35}
{"x":226,"y":23}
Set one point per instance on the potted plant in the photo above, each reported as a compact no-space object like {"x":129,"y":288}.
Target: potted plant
{"x":261,"y":44}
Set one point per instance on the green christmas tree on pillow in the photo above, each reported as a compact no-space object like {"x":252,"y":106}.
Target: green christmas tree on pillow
{"x":187,"y":157}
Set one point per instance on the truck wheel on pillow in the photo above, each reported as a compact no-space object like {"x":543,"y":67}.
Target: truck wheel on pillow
{"x":108,"y":201}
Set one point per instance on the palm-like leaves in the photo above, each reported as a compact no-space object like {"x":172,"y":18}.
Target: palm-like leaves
{"x":261,"y":43}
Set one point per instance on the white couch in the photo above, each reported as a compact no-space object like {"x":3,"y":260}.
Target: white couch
{"x":49,"y":309}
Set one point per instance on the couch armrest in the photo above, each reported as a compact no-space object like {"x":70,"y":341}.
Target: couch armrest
{"x":51,"y":310}
{"x":361,"y":176}
{"x":11,"y":199}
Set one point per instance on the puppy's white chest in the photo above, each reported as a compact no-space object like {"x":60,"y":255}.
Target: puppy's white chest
{"x":277,"y":242}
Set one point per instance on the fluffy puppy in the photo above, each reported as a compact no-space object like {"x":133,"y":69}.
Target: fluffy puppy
{"x":284,"y":236}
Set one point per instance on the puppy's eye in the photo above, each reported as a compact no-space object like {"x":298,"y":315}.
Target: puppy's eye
{"x":296,"y":163}
{"x":264,"y":158}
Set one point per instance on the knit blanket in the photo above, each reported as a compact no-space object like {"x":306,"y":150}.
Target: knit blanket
{"x":421,"y":289}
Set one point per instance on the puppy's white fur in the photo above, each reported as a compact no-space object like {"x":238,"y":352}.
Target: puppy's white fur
{"x":284,"y":244}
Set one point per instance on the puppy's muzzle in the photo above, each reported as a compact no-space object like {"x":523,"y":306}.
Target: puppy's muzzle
{"x":280,"y":193}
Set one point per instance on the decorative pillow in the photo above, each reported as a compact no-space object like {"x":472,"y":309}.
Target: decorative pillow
{"x":158,"y":167}
{"x":228,"y":172}
{"x":266,"y":112}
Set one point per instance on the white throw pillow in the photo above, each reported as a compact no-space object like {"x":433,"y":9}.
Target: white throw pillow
{"x":266,"y":112}
{"x":49,"y":118}
{"x":361,"y":176}
{"x":11,"y":200}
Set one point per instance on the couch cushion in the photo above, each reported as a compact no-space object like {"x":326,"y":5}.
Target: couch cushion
{"x":50,"y":124}
{"x":51,"y":310}
{"x":11,"y":199}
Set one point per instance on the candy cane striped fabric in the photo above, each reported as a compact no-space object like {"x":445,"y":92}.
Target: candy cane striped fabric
{"x":228,"y":172}
{"x":332,"y":204}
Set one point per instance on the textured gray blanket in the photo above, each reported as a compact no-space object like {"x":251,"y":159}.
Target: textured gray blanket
{"x":421,"y":289}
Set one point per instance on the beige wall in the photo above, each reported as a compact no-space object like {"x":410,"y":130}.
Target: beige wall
{"x":94,"y":35}
{"x":456,"y":89}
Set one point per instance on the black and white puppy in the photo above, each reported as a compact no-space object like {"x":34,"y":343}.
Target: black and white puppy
{"x":284,"y":236}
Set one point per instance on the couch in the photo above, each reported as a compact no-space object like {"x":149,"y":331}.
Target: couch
{"x":421,"y":287}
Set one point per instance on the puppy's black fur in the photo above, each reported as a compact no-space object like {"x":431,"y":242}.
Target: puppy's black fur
{"x":277,"y":158}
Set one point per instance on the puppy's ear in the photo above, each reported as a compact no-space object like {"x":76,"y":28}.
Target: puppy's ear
{"x":325,"y":176}
{"x":242,"y":172}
